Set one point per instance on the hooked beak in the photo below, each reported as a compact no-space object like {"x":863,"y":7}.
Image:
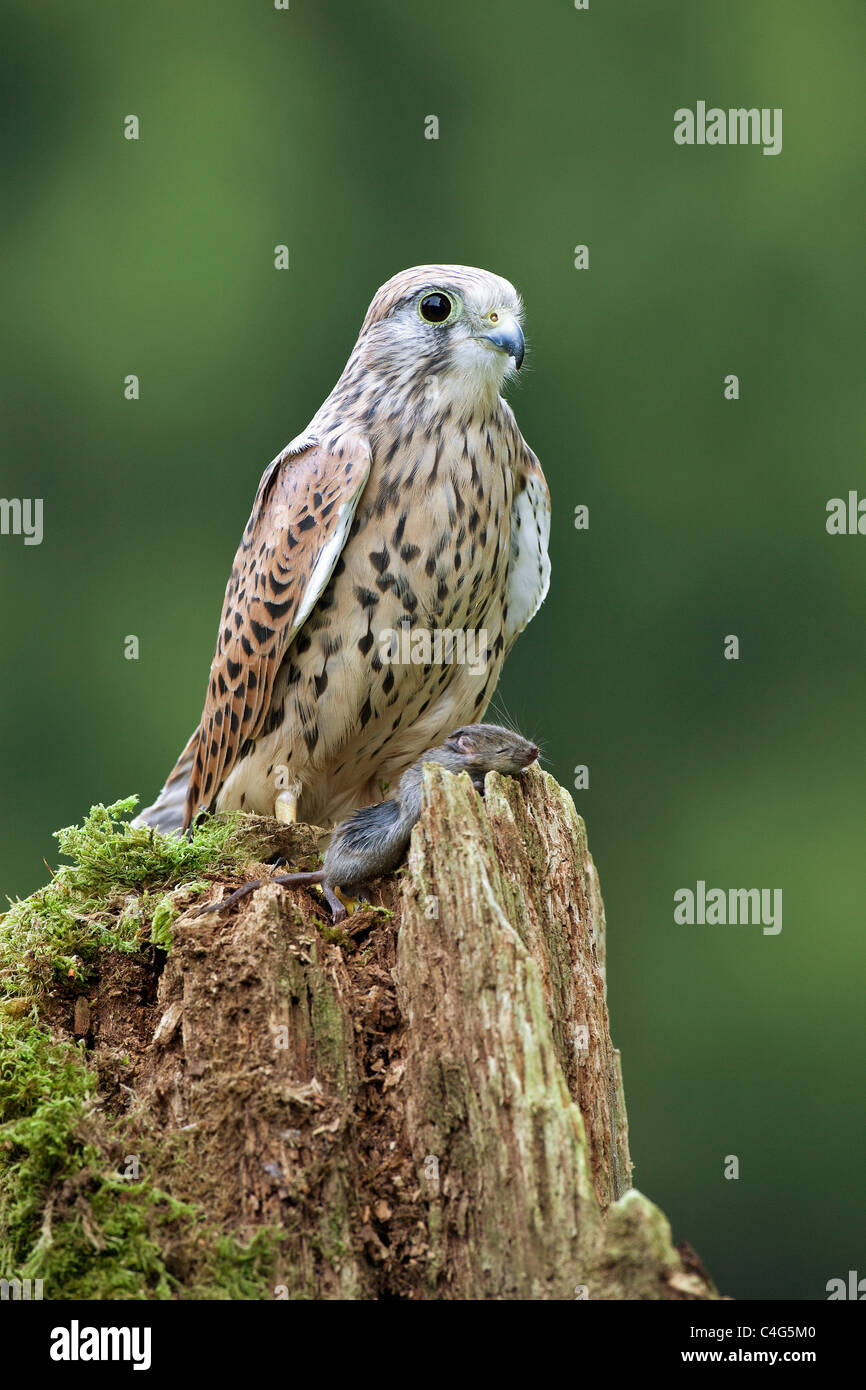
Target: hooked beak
{"x":508,"y":338}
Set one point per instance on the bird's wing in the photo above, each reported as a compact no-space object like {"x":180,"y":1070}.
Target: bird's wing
{"x":299,"y":524}
{"x":529,"y":568}
{"x":167,"y":812}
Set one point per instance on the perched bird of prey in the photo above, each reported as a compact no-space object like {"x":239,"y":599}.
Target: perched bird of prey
{"x":410,"y":501}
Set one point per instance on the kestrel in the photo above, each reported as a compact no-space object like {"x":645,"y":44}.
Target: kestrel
{"x":411,"y":501}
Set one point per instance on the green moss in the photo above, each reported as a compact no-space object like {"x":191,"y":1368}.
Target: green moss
{"x":109,"y":853}
{"x":233,"y":1270}
{"x":111,"y":896}
{"x":166,"y":912}
{"x":337,"y":936}
{"x":69,"y":1218}
{"x":45,"y":1090}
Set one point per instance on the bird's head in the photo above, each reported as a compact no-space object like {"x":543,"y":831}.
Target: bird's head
{"x":444,"y":330}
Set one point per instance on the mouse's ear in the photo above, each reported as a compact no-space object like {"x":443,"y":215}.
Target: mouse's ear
{"x":456,"y":741}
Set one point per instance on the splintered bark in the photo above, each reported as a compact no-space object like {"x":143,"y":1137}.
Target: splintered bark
{"x":425,"y":1105}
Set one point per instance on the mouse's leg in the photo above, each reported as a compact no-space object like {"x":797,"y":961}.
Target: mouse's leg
{"x":338,"y":911}
{"x":350,"y":902}
{"x":478,"y":783}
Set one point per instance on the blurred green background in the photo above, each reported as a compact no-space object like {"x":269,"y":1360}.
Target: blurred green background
{"x":305,"y":127}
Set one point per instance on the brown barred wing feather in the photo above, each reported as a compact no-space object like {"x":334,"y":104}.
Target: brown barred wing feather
{"x":299,"y":524}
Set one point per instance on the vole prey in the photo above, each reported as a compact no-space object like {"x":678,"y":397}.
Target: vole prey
{"x":373,"y":840}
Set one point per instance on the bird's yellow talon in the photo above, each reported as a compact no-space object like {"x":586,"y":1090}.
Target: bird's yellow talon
{"x":286,"y":808}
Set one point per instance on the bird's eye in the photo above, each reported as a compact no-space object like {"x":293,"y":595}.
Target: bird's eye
{"x":435,"y":308}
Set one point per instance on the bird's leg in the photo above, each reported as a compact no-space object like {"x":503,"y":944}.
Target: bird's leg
{"x":286,"y":808}
{"x":286,"y":804}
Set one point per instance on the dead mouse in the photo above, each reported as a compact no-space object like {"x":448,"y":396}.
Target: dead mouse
{"x":373,"y":840}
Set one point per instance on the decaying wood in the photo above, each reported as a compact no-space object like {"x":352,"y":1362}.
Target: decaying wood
{"x":429,"y":1106}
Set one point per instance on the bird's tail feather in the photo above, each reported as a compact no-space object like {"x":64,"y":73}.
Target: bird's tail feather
{"x":167,"y":812}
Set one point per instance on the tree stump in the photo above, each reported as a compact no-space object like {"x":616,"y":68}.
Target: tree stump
{"x":422,"y":1104}
{"x":427,"y":1105}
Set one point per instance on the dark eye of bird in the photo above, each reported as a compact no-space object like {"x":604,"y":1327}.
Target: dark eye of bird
{"x":435,"y":308}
